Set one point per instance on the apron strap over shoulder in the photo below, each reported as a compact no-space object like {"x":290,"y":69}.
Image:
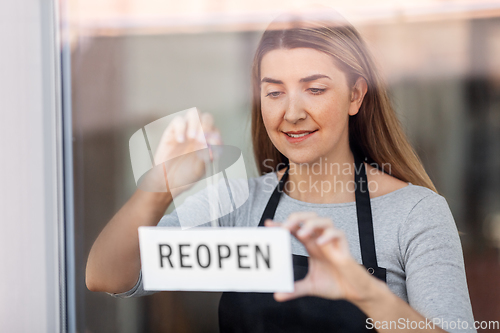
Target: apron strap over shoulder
{"x":272,"y":204}
{"x":364,"y":212}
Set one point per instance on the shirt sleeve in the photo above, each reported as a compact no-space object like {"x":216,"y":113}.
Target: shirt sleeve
{"x":170,"y":220}
{"x":434,"y":265}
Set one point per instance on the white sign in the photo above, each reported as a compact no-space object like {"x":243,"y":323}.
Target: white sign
{"x":218,"y":259}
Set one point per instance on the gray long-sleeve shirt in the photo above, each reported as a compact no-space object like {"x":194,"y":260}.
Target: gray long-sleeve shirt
{"x":416,"y":240}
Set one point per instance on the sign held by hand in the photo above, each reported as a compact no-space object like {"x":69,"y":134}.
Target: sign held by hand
{"x":222,"y":259}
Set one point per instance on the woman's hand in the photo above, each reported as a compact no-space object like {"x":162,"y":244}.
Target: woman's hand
{"x":175,"y":155}
{"x":333,"y":273}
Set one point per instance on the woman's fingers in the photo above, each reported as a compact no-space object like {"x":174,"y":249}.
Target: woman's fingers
{"x":179,"y":128}
{"x":301,"y":288}
{"x":207,"y":122}
{"x":212,"y":134}
{"x":307,"y":225}
{"x":329,"y":235}
{"x":188,"y":127}
{"x":192,"y":123}
{"x":314,"y":232}
{"x":169,"y":133}
{"x":315,"y":227}
{"x":296,"y":220}
{"x":330,"y":262}
{"x":213,"y":137}
{"x":271,"y":223}
{"x":333,"y":245}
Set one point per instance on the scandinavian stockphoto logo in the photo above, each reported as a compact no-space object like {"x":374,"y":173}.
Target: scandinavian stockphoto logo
{"x":207,"y":182}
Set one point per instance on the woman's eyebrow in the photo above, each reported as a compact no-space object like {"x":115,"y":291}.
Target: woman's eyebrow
{"x":269,"y":80}
{"x":305,"y":79}
{"x":314,"y":77}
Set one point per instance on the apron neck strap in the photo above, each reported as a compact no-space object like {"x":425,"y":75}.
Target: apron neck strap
{"x":363,"y":210}
{"x":364,"y":213}
{"x":272,"y":204}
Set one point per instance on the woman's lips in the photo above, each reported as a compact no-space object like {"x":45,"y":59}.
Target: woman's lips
{"x":300,"y":138}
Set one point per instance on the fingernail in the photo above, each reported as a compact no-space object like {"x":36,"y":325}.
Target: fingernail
{"x":191,"y":134}
{"x":302,"y":232}
{"x":321,"y":240}
{"x":180,"y":138}
{"x":201,"y":138}
{"x":213,"y":139}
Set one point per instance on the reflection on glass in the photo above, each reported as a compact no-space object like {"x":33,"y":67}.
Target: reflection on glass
{"x":132,"y":65}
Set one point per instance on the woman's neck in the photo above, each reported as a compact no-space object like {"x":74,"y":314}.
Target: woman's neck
{"x":330,"y":179}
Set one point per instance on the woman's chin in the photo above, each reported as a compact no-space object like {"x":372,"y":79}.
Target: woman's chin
{"x":303,"y":159}
{"x":301,"y":155}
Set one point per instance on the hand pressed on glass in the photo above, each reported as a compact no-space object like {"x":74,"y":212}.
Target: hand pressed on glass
{"x":175,"y":157}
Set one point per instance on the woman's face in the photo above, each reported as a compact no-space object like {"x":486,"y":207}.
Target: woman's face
{"x":306,"y":103}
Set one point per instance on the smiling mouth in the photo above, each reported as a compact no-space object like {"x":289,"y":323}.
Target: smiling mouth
{"x":298,"y":134}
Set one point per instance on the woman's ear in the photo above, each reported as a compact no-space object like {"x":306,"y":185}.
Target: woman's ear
{"x":358,"y":93}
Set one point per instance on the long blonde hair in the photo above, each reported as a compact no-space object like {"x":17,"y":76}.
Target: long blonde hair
{"x":375,"y":130}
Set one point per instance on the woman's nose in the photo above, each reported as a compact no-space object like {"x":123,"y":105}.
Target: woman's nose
{"x":294,"y":111}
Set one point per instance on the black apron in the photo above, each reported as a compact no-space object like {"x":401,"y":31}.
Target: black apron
{"x":259,"y":312}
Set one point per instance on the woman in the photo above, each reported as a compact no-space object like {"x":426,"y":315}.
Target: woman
{"x":319,"y":101}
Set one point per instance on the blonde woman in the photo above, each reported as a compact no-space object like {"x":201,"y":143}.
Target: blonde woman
{"x":375,"y":245}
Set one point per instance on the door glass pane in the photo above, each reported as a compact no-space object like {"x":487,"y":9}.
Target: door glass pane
{"x":134,"y":62}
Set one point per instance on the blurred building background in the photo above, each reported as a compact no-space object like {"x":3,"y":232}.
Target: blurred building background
{"x":134,"y":61}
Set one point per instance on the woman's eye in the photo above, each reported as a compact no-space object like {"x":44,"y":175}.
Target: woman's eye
{"x":273,"y":94}
{"x":316,"y":91}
